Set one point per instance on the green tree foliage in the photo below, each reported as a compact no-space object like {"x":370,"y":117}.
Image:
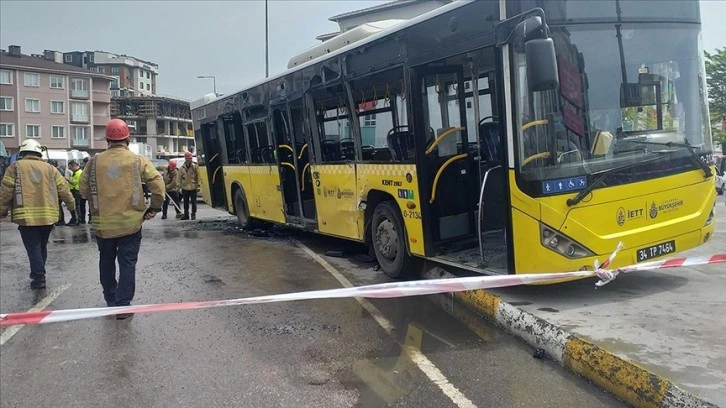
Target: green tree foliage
{"x":716,"y":78}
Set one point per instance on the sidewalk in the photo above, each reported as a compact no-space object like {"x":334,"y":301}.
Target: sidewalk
{"x":654,"y":339}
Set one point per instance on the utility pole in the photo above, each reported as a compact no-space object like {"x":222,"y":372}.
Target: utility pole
{"x":267,"y":47}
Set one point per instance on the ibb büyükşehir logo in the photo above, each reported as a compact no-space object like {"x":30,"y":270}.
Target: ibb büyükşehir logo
{"x":621,"y":216}
{"x":653,"y":210}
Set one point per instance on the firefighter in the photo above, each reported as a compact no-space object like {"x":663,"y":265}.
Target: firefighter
{"x":171,"y":184}
{"x":112,"y":185}
{"x":31,"y":189}
{"x":78,"y":217}
{"x":189,"y":179}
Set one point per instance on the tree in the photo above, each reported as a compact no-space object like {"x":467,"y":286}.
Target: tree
{"x":716,"y":78}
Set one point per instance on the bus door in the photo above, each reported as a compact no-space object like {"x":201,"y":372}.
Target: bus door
{"x":492,"y":203}
{"x":333,"y":167}
{"x":209,"y":158}
{"x":292,"y":152}
{"x":450,"y":182}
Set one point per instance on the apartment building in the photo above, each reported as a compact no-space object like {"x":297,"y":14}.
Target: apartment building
{"x":161,"y":122}
{"x":62,"y":106}
{"x":131,"y":76}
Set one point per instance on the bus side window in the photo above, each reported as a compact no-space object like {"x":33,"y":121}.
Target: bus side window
{"x":234,"y":139}
{"x":334,"y":130}
{"x":261,"y":149}
{"x":380,"y":103}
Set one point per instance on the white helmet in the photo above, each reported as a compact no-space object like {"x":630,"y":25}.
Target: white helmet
{"x":30,"y":145}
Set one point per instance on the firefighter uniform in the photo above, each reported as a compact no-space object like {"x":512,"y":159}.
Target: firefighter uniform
{"x":111,"y":183}
{"x":189,"y":179}
{"x":30,"y":190}
{"x":171,"y":184}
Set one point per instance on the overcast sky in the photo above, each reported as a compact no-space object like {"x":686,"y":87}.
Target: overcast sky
{"x":190,"y":38}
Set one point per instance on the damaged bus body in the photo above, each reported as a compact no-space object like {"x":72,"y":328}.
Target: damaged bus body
{"x":498,"y":136}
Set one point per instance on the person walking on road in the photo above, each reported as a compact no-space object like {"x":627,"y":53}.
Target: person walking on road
{"x":112,"y":185}
{"x":30,"y":188}
{"x":189,"y":179}
{"x":171,"y":184}
{"x":78,"y":217}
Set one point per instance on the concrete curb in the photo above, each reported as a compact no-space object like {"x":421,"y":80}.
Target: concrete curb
{"x":625,"y":379}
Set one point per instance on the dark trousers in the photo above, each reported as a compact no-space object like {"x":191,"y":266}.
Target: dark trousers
{"x":126,"y":249}
{"x":175,"y":196}
{"x":35,"y":240}
{"x":190,"y":195}
{"x":80,"y":212}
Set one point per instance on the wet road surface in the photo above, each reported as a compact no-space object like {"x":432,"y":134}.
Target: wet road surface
{"x":321,"y":353}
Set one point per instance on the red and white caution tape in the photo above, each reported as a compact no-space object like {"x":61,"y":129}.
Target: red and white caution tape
{"x":385,"y":290}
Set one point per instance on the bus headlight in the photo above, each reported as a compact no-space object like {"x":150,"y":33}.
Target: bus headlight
{"x":563,"y":245}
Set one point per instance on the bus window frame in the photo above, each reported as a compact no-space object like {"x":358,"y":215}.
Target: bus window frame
{"x":247,"y":122}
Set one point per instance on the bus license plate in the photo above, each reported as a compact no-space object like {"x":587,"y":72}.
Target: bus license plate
{"x":657,"y":250}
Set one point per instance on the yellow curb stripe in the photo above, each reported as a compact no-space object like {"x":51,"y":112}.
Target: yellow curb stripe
{"x":626,"y":380}
{"x":481,"y":302}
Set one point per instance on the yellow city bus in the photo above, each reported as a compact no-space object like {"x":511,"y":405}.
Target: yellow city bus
{"x":495,"y":136}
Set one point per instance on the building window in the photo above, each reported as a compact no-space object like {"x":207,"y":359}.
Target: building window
{"x":32,"y":105}
{"x":6,"y":77}
{"x":6,"y":103}
{"x":79,"y":112}
{"x":115,"y":92}
{"x":58,"y":132}
{"x":141,"y":86}
{"x":115,"y":83}
{"x":56,"y":82}
{"x":7,"y":130}
{"x":369,"y":120}
{"x":79,"y":88}
{"x":68,"y":58}
{"x":90,"y":57}
{"x":80,"y":136}
{"x":148,"y":75}
{"x":114,"y":70}
{"x":100,"y":70}
{"x":148,"y":87}
{"x":57,"y":107}
{"x":32,"y":79}
{"x":32,"y":131}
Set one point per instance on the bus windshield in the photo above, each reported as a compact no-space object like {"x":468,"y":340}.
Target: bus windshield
{"x":626,"y":90}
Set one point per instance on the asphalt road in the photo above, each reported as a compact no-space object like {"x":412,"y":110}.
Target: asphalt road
{"x":322,"y":353}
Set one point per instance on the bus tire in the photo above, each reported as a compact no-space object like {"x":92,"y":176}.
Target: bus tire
{"x":388,"y":238}
{"x":242,"y":211}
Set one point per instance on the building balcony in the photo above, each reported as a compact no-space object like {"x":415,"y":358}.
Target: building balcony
{"x":79,"y":142}
{"x":80,"y":118}
{"x":80,"y":93}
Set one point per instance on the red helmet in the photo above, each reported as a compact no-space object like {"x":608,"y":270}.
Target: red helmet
{"x":187,"y":155}
{"x":172,"y":164}
{"x":117,"y":130}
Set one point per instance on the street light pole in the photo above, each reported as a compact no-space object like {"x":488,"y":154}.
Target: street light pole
{"x":214,"y":83}
{"x":267,"y":48}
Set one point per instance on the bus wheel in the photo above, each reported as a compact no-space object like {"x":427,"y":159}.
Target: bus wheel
{"x":389,"y":241}
{"x":243,"y":212}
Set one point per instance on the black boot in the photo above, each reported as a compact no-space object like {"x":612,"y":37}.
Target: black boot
{"x":194,"y":216}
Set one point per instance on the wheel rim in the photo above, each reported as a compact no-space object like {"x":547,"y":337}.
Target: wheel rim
{"x":387,"y":239}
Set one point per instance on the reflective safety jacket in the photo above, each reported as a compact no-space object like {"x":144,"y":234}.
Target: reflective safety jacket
{"x":31,"y":188}
{"x":75,"y":179}
{"x":189,"y":176}
{"x":111,"y":183}
{"x":171,"y":180}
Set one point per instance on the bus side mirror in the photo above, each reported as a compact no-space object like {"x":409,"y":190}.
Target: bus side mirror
{"x":541,"y":64}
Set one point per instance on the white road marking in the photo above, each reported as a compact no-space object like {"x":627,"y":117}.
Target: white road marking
{"x":11,"y":331}
{"x":417,"y":357}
